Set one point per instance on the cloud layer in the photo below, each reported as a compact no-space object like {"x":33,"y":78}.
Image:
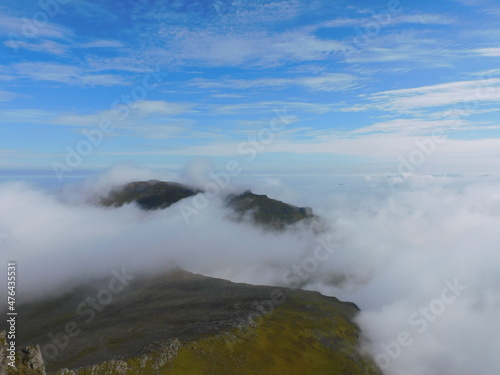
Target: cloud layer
{"x":420,"y":257}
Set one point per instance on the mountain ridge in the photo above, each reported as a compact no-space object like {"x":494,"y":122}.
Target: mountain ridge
{"x":259,"y":209}
{"x":183,"y":323}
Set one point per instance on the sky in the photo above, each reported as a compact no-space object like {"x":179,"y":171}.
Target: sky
{"x":380,"y":115}
{"x":421,"y":259}
{"x":384,"y":87}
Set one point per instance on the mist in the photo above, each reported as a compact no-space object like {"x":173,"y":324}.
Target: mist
{"x":419,"y":256}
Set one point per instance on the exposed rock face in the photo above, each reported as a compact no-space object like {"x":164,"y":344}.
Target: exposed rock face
{"x":31,"y":358}
{"x":3,"y":353}
{"x":153,"y":363}
{"x":28,"y":361}
{"x":110,"y":367}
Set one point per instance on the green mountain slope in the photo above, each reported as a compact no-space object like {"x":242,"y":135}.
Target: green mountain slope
{"x":181,"y":323}
{"x":149,"y":195}
{"x":267,"y":212}
{"x":261,"y":210}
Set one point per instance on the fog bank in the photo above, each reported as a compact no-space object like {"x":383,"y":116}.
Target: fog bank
{"x":419,"y":255}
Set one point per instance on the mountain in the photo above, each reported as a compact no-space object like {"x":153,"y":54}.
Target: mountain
{"x":149,"y":195}
{"x":177,"y":322}
{"x":259,"y":209}
{"x":267,"y":212}
{"x":183,"y":323}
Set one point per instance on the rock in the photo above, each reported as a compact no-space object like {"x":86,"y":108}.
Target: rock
{"x":3,"y":353}
{"x":31,"y":357}
{"x":113,"y":367}
{"x":29,"y":361}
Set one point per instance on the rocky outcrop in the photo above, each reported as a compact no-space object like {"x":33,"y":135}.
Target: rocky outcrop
{"x":152,"y":362}
{"x":109,"y":367}
{"x":3,"y":353}
{"x":28,"y":361}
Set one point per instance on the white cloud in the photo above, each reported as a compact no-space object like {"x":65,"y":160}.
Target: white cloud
{"x":492,"y":10}
{"x":167,"y":130}
{"x":45,"y":46}
{"x":6,"y":96}
{"x":26,"y":115}
{"x":103,"y":43}
{"x":387,"y":20}
{"x":160,"y":107}
{"x":69,"y":74}
{"x":27,"y":29}
{"x":327,"y":82}
{"x":128,"y":63}
{"x":490,"y":52}
{"x":133,"y":116}
{"x":438,"y":231}
{"x":385,"y":147}
{"x":445,"y":94}
{"x":413,"y":126}
{"x":84,"y":120}
{"x":475,"y":2}
{"x":424,"y":19}
{"x":273,"y":106}
{"x":396,"y":247}
{"x":214,"y":48}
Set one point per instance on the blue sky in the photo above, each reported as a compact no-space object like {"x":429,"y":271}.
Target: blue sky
{"x":305,"y":86}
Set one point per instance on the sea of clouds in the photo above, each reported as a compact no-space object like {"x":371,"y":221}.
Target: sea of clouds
{"x":418,"y":254}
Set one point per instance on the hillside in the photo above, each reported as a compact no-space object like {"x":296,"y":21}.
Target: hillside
{"x":182,"y":323}
{"x":149,"y":195}
{"x":261,"y":210}
{"x":267,"y":212}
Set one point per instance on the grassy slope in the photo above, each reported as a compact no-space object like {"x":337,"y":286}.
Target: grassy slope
{"x":307,"y":334}
{"x":289,"y":341}
{"x":296,"y":339}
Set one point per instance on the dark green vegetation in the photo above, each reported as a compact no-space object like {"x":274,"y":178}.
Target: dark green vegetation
{"x":181,"y":323}
{"x":266,"y":212}
{"x":149,"y":195}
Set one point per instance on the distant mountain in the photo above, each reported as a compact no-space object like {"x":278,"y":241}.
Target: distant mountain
{"x":149,"y":195}
{"x":182,"y":323}
{"x":267,"y":212}
{"x":258,"y":209}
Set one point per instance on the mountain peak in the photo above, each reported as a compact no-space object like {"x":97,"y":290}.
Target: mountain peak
{"x":258,"y":209}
